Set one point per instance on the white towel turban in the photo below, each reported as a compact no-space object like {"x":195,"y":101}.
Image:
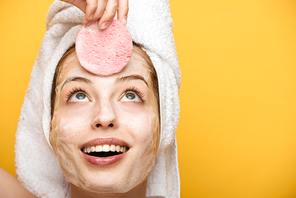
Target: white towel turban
{"x":150,"y":24}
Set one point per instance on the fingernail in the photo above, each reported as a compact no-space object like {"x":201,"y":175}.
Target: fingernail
{"x":104,"y":25}
{"x":90,"y":17}
{"x":86,"y":22}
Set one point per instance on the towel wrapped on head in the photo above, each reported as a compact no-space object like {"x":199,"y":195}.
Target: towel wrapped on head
{"x":150,"y":25}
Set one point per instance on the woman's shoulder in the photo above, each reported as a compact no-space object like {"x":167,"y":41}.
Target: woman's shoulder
{"x":10,"y":187}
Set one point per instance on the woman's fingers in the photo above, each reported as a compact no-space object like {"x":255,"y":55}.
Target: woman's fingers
{"x":102,"y":10}
{"x":81,"y":4}
{"x":122,"y":11}
{"x":91,"y":7}
{"x":108,"y":14}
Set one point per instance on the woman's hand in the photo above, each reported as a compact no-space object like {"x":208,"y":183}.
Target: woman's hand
{"x":102,"y":10}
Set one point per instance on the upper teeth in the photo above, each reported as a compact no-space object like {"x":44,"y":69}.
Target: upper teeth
{"x":104,"y":148}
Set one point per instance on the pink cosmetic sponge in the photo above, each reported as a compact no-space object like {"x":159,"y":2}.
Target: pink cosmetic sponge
{"x":104,"y":52}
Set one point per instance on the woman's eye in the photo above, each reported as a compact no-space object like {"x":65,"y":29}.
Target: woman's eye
{"x":131,"y":97}
{"x":79,"y":97}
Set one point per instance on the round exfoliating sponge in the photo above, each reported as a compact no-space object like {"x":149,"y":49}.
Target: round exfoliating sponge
{"x":104,"y":52}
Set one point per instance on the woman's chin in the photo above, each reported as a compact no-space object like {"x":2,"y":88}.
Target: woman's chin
{"x":105,"y":187}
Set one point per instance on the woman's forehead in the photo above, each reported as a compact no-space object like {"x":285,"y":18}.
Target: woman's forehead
{"x":72,"y":67}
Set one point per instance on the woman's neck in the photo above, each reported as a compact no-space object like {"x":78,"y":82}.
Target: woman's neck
{"x":137,"y":192}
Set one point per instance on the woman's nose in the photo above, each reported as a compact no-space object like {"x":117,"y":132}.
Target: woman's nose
{"x":105,"y":118}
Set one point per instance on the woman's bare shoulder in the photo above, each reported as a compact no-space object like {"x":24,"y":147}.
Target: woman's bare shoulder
{"x":10,"y":187}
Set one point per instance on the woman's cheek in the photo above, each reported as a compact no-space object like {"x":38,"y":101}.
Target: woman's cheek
{"x":140,"y":121}
{"x":141,"y":129}
{"x":72,"y":128}
{"x":65,"y":141}
{"x":67,"y":131}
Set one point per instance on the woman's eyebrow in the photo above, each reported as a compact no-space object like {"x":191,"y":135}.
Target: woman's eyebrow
{"x":76,"y":78}
{"x":131,"y":77}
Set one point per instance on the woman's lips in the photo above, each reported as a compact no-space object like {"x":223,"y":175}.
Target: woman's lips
{"x":107,"y":140}
{"x":103,"y":161}
{"x":104,"y":151}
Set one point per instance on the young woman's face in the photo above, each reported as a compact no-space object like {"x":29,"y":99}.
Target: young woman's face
{"x":104,"y":127}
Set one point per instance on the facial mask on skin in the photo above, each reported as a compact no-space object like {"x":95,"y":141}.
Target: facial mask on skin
{"x":104,"y":52}
{"x":134,"y":124}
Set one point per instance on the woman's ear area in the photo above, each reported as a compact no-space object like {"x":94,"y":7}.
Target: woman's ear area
{"x":51,"y":140}
{"x":50,"y":133}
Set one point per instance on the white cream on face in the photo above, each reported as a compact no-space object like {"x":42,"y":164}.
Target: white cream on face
{"x":134,"y":122}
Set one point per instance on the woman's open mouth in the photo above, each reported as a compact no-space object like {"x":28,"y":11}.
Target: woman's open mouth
{"x":104,"y":151}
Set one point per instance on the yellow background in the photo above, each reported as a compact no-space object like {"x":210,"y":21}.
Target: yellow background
{"x":237,"y":132}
